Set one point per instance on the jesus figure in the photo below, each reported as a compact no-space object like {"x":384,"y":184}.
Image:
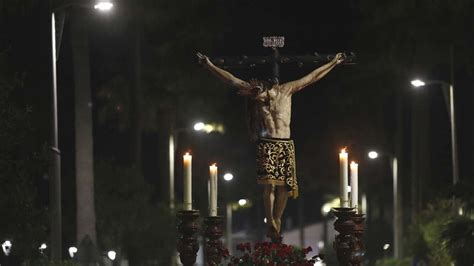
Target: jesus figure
{"x":270,"y":118}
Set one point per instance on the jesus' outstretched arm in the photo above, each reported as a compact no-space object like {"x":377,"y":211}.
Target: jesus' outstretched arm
{"x":222,"y":74}
{"x":294,"y":86}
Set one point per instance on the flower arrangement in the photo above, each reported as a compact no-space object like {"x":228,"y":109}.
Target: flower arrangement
{"x":272,"y":254}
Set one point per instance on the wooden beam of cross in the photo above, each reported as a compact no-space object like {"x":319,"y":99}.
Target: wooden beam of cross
{"x":276,"y":59}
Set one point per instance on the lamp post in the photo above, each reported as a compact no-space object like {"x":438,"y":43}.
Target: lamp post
{"x":397,"y":215}
{"x":171,"y":154}
{"x":325,"y":209}
{"x":230,"y":207}
{"x":172,"y":144}
{"x":446,"y":86}
{"x":55,"y":169}
{"x":228,"y":226}
{"x":228,"y":232}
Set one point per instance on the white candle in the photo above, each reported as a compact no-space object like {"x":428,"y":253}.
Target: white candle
{"x":343,"y":178}
{"x":187,"y":170}
{"x":354,"y":185}
{"x":213,"y":190}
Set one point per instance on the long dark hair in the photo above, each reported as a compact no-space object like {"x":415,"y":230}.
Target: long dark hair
{"x":254,"y":117}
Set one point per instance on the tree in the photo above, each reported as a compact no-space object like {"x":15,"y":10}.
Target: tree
{"x":169,"y":80}
{"x":127,"y":218}
{"x":395,"y":42}
{"x":459,"y":232}
{"x":85,"y":210}
{"x":459,"y":235}
{"x":23,"y":164}
{"x":425,"y":241}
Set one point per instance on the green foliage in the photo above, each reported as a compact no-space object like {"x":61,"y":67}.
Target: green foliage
{"x":22,"y":163}
{"x":426,"y":233}
{"x":459,"y":237}
{"x":459,"y":232}
{"x":127,"y":220}
{"x":442,"y":233}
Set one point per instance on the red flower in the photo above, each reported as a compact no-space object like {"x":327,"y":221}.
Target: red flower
{"x":276,"y":254}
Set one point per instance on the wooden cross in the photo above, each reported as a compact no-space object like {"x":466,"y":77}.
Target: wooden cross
{"x":275,"y":42}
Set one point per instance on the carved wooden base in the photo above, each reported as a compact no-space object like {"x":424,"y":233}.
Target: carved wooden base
{"x":187,"y":241}
{"x":349,"y":244}
{"x":214,"y":249}
{"x":343,"y":243}
{"x":358,"y":249}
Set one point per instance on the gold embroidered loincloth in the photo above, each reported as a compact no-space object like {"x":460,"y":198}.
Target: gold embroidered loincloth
{"x":276,"y":164}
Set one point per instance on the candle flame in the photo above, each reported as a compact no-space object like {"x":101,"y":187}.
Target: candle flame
{"x":344,"y":150}
{"x":213,"y":167}
{"x":354,"y":163}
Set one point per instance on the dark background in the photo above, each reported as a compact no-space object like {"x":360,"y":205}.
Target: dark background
{"x":370,"y":105}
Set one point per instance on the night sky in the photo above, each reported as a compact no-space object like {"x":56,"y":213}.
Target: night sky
{"x":245,"y":24}
{"x":363,"y":106}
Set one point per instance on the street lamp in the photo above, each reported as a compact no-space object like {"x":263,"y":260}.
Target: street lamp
{"x":385,"y":249}
{"x":104,"y":6}
{"x":418,"y":83}
{"x":112,"y":255}
{"x":199,"y":126}
{"x":7,"y":247}
{"x":373,"y":155}
{"x":42,"y":248}
{"x":72,"y":251}
{"x":209,"y":127}
{"x":55,"y":170}
{"x":397,"y":216}
{"x":230,"y":207}
{"x":228,"y":177}
{"x":450,"y":88}
{"x":242,"y":202}
{"x":228,"y":225}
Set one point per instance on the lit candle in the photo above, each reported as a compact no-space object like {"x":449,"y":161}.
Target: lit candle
{"x":213,"y":190}
{"x":354,"y":185}
{"x":188,"y":200}
{"x":343,"y":178}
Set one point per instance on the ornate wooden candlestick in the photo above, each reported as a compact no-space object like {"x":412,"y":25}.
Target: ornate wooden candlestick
{"x":214,"y":249}
{"x":358,"y":250}
{"x":343,"y":244}
{"x":187,"y":240}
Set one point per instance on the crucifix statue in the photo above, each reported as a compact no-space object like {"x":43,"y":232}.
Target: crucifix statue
{"x":269,"y":120}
